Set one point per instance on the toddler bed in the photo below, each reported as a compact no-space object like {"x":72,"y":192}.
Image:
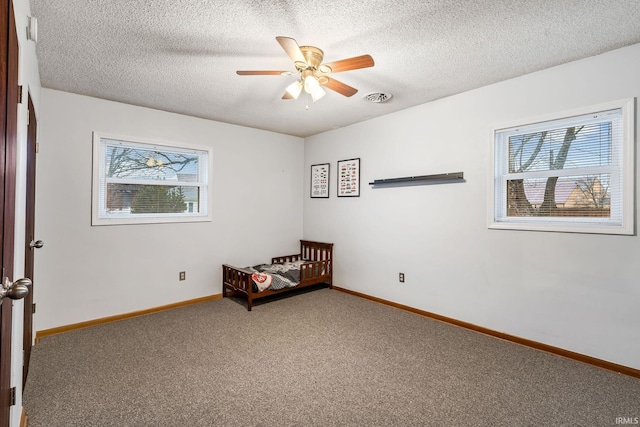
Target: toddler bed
{"x":313,"y":265}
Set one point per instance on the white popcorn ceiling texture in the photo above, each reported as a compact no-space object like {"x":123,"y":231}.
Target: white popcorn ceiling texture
{"x":181,"y":56}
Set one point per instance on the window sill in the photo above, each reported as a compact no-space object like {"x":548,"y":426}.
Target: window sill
{"x":564,"y":228}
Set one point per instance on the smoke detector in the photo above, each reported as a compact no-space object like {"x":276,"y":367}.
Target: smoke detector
{"x":378,"y":97}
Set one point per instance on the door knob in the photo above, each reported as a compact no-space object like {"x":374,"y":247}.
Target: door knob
{"x":37,"y":244}
{"x":15,"y":290}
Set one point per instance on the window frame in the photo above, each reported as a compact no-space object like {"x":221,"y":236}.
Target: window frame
{"x":98,"y":195}
{"x":498,"y":175}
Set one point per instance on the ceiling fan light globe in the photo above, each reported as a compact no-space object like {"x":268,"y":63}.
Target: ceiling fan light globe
{"x":311,"y":84}
{"x":317,"y":93}
{"x":294,"y":89}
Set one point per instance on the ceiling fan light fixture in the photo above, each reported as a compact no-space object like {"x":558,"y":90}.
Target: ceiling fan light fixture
{"x":311,"y":83}
{"x":312,"y":72}
{"x":317,"y":93}
{"x":294,"y":89}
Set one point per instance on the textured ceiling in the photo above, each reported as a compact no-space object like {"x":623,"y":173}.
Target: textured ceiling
{"x":181,"y":55}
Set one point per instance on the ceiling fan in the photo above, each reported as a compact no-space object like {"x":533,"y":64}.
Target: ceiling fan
{"x":313,"y":73}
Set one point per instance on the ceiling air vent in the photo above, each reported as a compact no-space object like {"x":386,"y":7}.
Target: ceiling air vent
{"x":378,"y":97}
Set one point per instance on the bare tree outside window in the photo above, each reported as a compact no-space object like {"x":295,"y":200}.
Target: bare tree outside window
{"x":594,"y":193}
{"x":124,"y":162}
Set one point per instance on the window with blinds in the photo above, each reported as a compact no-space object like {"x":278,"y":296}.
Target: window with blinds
{"x":137,"y":181}
{"x":572,"y":173}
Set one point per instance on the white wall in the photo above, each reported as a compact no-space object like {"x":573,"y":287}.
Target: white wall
{"x":29,"y":78}
{"x":86,"y":272}
{"x":575,"y":291}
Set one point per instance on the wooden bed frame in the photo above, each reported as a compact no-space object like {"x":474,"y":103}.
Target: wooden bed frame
{"x":319,"y":269}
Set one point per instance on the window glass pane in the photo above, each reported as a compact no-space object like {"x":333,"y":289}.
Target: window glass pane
{"x":150,"y":164}
{"x":567,"y":172}
{"x":570,"y":147}
{"x":138,"y":199}
{"x":571,"y":196}
{"x":142,"y":182}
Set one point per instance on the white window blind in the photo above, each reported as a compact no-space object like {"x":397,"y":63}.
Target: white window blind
{"x":141,"y":182}
{"x":573,"y":173}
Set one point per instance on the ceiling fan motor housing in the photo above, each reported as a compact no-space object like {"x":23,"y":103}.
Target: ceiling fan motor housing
{"x":312,"y":55}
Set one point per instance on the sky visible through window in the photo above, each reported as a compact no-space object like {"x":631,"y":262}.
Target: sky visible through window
{"x":149,"y":164}
{"x":538,"y":151}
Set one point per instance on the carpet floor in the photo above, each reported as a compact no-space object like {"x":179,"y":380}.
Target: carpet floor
{"x":320,"y":358}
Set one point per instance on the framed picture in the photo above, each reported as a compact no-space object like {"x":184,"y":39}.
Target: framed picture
{"x":349,"y":178}
{"x":320,"y":181}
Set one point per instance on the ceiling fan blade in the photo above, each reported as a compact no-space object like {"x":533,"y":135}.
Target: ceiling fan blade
{"x":340,"y":87}
{"x":354,"y":63}
{"x":263,"y":73}
{"x":291,"y":47}
{"x":287,"y":95}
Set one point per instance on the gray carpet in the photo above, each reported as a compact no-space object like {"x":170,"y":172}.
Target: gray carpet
{"x":321,"y":358}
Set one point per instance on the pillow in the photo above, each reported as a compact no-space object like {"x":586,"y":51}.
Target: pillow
{"x":262,"y":280}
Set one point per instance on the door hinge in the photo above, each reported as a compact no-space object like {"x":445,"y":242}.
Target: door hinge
{"x":33,"y":308}
{"x":19,"y":94}
{"x":37,"y":147}
{"x":12,"y":396}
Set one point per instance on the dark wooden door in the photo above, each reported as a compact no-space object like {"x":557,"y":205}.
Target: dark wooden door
{"x":8,"y":146}
{"x":30,"y":242}
{"x":5,"y":306}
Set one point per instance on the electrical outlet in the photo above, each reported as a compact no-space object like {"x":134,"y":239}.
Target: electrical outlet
{"x":183,"y":275}
{"x":401,"y":277}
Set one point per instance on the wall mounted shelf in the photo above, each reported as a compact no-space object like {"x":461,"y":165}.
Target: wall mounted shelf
{"x":422,"y":179}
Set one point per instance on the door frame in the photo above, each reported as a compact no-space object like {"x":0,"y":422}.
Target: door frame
{"x":8,"y":155}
